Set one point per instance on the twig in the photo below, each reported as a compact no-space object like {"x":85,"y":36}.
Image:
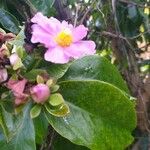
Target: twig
{"x":109,"y":34}
{"x":145,"y":111}
{"x":86,"y":13}
{"x":134,"y":3}
{"x":103,"y":15}
{"x":51,"y":139}
{"x":134,"y":37}
{"x":76,"y":15}
{"x":148,"y":44}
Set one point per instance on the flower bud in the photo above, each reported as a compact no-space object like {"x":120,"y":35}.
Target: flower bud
{"x":13,"y":59}
{"x":40,"y":93}
{"x":3,"y":75}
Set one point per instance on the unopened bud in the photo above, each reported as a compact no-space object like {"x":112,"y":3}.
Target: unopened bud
{"x":40,"y":93}
{"x":15,"y":61}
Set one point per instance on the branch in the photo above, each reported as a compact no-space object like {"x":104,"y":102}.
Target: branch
{"x":87,"y":12}
{"x":112,"y":35}
{"x":51,"y":139}
{"x":109,"y":34}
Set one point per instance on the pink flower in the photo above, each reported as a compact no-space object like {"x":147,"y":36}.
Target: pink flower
{"x":3,"y":75}
{"x":40,"y":93}
{"x":17,"y":88}
{"x":62,"y":40}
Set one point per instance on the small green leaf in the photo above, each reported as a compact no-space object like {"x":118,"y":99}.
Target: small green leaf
{"x":39,"y":79}
{"x":19,"y":109}
{"x":56,"y":99}
{"x":60,"y":111}
{"x":18,"y":64}
{"x":50,"y":83}
{"x":2,"y":31}
{"x":35,"y":111}
{"x":20,"y":51}
{"x":54,"y":88}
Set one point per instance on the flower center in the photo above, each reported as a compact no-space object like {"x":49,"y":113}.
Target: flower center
{"x":64,"y":38}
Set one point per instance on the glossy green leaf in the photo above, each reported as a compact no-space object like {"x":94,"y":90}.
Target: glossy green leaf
{"x":41,"y":128}
{"x":9,"y":21}
{"x":57,"y":70}
{"x":43,"y":6}
{"x":9,"y":122}
{"x":101,"y":116}
{"x":31,"y":62}
{"x":35,"y":111}
{"x":97,"y":68}
{"x":24,"y":137}
{"x":19,"y":39}
{"x":54,"y":70}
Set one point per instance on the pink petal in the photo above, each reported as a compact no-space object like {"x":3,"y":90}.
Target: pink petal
{"x":66,"y":25}
{"x":41,"y":21}
{"x":79,"y":33}
{"x":80,"y":49}
{"x":55,"y":25}
{"x":17,"y":86}
{"x":56,"y":55}
{"x":20,"y":98}
{"x":41,"y":36}
{"x":50,"y":25}
{"x":19,"y":101}
{"x":38,"y":18}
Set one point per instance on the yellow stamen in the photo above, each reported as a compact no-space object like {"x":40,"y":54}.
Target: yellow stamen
{"x":64,"y":38}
